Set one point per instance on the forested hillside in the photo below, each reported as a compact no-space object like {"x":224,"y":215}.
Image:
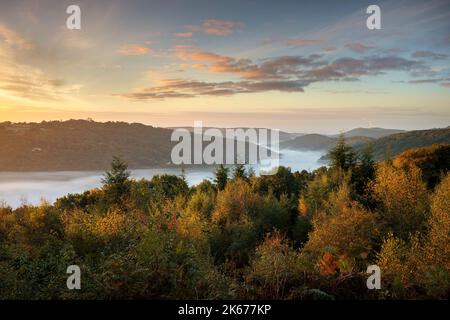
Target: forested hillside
{"x":86,"y":145}
{"x":392,"y":145}
{"x":81,"y":145}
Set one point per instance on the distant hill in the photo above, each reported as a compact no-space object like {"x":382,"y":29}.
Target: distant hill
{"x":392,"y":145}
{"x":319,"y":142}
{"x":324,"y":142}
{"x":85,"y":145}
{"x":374,"y":133}
{"x":309,"y":142}
{"x":81,"y":145}
{"x":283,"y":135}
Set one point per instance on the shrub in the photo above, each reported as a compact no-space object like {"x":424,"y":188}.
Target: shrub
{"x":349,"y":234}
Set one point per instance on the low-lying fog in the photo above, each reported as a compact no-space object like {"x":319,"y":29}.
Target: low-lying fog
{"x":17,"y":188}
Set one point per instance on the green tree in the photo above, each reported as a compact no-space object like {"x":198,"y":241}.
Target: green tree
{"x":117,"y":178}
{"x":183,"y":172}
{"x":342,"y":155}
{"x":168,"y":186}
{"x":239,"y":172}
{"x":361,"y":176}
{"x":282,"y":182}
{"x":221,"y":177}
{"x":116,"y":181}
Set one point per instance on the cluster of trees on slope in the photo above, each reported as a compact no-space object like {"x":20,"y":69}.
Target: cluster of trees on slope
{"x":81,"y":145}
{"x":88,"y":145}
{"x":392,"y":145}
{"x":292,"y":235}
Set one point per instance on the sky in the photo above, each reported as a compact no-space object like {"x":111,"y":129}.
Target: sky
{"x":301,"y":66}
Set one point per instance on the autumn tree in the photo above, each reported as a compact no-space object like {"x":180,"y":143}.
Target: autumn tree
{"x":438,"y":242}
{"x":346,"y":231}
{"x":403,"y":198}
{"x":432,"y":160}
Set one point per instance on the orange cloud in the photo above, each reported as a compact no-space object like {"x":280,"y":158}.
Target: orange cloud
{"x":217,"y":27}
{"x":198,"y":66}
{"x":187,"y":52}
{"x":216,"y":63}
{"x":133,"y":50}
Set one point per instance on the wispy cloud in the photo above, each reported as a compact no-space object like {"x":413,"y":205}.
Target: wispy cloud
{"x":18,"y":80}
{"x":302,"y":42}
{"x":359,"y":47}
{"x":188,"y":52}
{"x":13,"y":40}
{"x":179,"y":88}
{"x":443,"y":82}
{"x":422,"y":81}
{"x":329,"y":49}
{"x":430,"y":55}
{"x":184,"y":34}
{"x":217,"y":27}
{"x":352,"y":69}
{"x":74,"y":39}
{"x":133,"y":50}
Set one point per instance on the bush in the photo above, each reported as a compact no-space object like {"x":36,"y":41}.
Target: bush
{"x":273,"y":271}
{"x":349,"y":234}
